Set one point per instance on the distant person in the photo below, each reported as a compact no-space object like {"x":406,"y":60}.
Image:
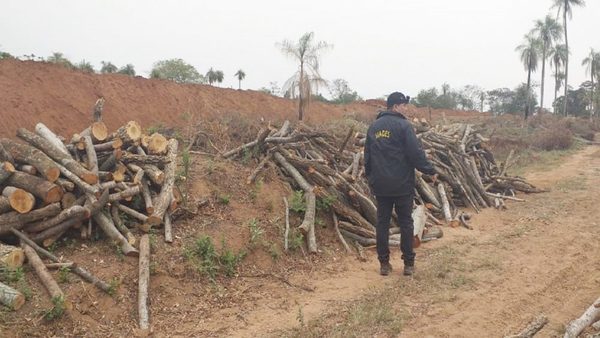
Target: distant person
{"x":392,"y":153}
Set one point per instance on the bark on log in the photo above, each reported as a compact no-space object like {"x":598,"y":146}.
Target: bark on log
{"x":356,"y":230}
{"x":6,"y":170}
{"x":19,"y":199}
{"x":55,"y":231}
{"x":11,"y":256}
{"x":155,"y":175}
{"x":419,"y":217}
{"x":338,"y":233}
{"x":258,"y":168}
{"x":92,"y":157}
{"x":28,"y":169}
{"x":133,"y":213}
{"x":24,"y":153}
{"x":445,"y":203}
{"x":116,"y":143}
{"x":4,"y":205}
{"x":144,"y":159}
{"x":590,"y":315}
{"x":125,"y":194}
{"x":107,"y":225}
{"x":10,"y":297}
{"x":81,"y":184}
{"x":51,"y":137}
{"x":57,"y":155}
{"x":5,"y":156}
{"x":144,"y":282}
{"x":43,"y":274}
{"x":308,"y":224}
{"x":534,"y":327}
{"x":75,"y":212}
{"x":46,"y":191}
{"x":129,"y":133}
{"x":168,"y":228}
{"x":163,"y":200}
{"x":65,"y":184}
{"x":81,"y":272}
{"x":114,"y":211}
{"x":14,"y":220}
{"x":287,"y":225}
{"x":145,"y":187}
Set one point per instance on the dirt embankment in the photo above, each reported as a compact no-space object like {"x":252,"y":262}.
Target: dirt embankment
{"x":33,"y":92}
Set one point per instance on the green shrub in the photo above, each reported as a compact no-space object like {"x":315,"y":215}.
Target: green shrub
{"x":297,"y":203}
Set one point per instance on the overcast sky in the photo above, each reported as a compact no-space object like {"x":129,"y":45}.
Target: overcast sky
{"x":379,"y":46}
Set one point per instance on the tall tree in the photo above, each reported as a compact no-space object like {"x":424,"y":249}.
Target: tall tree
{"x":108,"y":67}
{"x":176,"y":70}
{"x":558,"y":57}
{"x":566,"y":6}
{"x":307,"y":53}
{"x":529,"y":52}
{"x":592,"y":63}
{"x":548,"y":31}
{"x":128,"y":69}
{"x":60,"y":59}
{"x":240,"y":76}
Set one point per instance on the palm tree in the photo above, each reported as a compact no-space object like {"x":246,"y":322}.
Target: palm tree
{"x":240,"y":76}
{"x":592,"y":63}
{"x":548,"y":31}
{"x":529,"y":50}
{"x":211,"y":76}
{"x":307,"y":52}
{"x":219,"y":76}
{"x":566,"y":7}
{"x":558,"y":57}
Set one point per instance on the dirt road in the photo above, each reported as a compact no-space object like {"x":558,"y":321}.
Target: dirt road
{"x":537,"y":257}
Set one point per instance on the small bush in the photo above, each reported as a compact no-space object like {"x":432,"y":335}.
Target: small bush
{"x":297,"y":203}
{"x":256,"y":231}
{"x":224,"y":199}
{"x":204,"y":257}
{"x":324,"y":203}
{"x":554,"y":139}
{"x":57,"y":310}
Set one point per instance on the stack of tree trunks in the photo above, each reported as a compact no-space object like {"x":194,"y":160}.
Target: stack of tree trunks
{"x":332,"y":169}
{"x":82,"y":186}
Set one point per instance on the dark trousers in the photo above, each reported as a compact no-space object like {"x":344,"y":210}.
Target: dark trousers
{"x":403,"y":206}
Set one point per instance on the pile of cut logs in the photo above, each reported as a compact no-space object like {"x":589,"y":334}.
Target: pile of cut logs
{"x":51,"y":186}
{"x":329,"y":168}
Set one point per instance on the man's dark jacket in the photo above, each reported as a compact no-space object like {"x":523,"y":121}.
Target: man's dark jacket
{"x":392,"y":153}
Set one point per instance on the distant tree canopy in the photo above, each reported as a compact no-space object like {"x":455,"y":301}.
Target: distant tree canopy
{"x":466,"y":98}
{"x":60,"y":59}
{"x":342,"y":93}
{"x":507,"y":101}
{"x":128,"y":69}
{"x":176,"y":70}
{"x":85,"y":66}
{"x":213,"y":76}
{"x":108,"y":68}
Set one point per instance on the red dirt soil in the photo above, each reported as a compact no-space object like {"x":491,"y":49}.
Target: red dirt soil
{"x":62,"y":99}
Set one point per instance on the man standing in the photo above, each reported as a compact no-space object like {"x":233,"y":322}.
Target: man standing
{"x":392,"y":153}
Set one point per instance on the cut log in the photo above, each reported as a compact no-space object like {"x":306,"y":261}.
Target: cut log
{"x":65,"y":184}
{"x":144,"y":159}
{"x":144,"y":282}
{"x":43,"y":274}
{"x":155,"y":175}
{"x":114,"y":212}
{"x":116,"y":143}
{"x":28,"y":169}
{"x":534,"y":327}
{"x":339,"y":234}
{"x":44,"y":190}
{"x":145,"y":187}
{"x":10,"y":297}
{"x":308,"y":224}
{"x":14,"y":220}
{"x":4,"y":205}
{"x":76,"y":212}
{"x":92,"y":157}
{"x":133,"y":213}
{"x":156,"y":144}
{"x":5,"y":156}
{"x":419,"y":217}
{"x":19,"y":199}
{"x":57,"y":155}
{"x":51,"y":137}
{"x":356,"y":230}
{"x":24,"y":153}
{"x":590,"y":315}
{"x":81,"y":184}
{"x":125,"y":194}
{"x":287,"y":224}
{"x":6,"y":170}
{"x":81,"y":272}
{"x":55,"y":231}
{"x":97,"y":131}
{"x":119,"y":174}
{"x":129,"y":133}
{"x":163,"y":200}
{"x":445,"y":203}
{"x":168,"y":228}
{"x":107,"y":225}
{"x":11,"y":256}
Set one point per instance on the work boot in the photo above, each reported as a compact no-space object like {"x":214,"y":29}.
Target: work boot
{"x":385,"y":268}
{"x":409,"y":270}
